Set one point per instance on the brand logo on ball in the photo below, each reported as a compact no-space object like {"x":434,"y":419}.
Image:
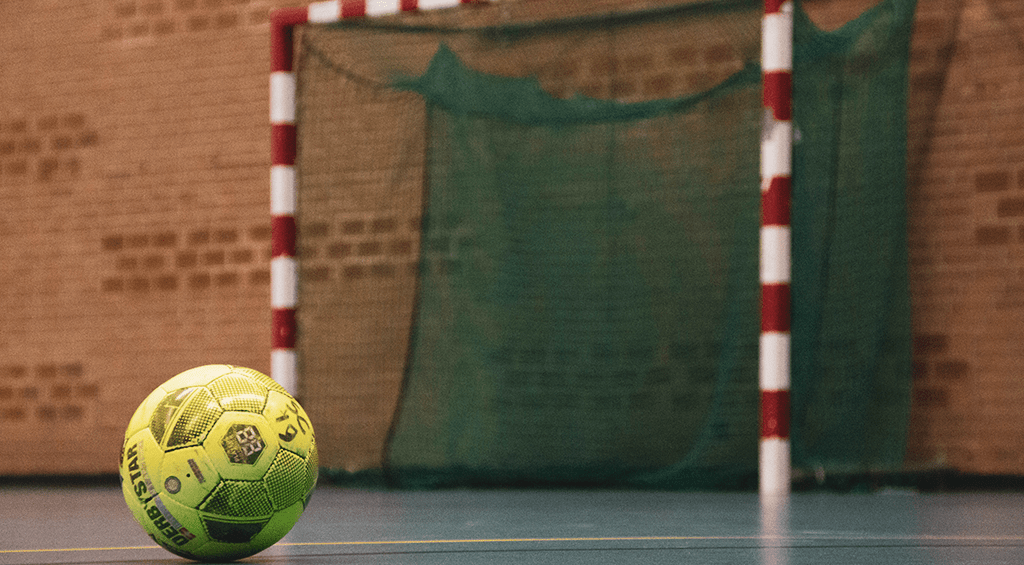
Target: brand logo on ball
{"x":142,"y":484}
{"x":243,"y":444}
{"x":291,"y":431}
{"x":172,"y":484}
{"x":166,"y":524}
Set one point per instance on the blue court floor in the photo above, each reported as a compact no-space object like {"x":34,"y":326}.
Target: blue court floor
{"x":91,"y":524}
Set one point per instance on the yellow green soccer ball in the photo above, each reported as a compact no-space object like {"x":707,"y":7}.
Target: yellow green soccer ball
{"x":218,"y":463}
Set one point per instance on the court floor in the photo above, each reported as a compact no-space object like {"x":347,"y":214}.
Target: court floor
{"x":90,"y":524}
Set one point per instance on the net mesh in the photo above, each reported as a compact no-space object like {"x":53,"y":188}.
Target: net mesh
{"x":529,"y":250}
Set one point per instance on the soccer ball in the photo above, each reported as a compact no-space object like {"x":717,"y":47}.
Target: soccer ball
{"x":218,"y":463}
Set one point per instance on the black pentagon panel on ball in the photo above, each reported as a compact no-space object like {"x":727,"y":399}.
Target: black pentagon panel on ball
{"x":232,"y":532}
{"x":197,"y":416}
{"x":238,"y":499}
{"x":165,"y":412}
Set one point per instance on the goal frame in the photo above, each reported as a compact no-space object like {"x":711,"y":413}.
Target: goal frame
{"x":774,"y":459}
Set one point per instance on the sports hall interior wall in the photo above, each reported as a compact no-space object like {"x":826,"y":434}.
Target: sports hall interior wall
{"x":134,"y":159}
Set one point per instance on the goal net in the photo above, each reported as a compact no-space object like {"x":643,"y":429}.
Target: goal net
{"x":528,"y":249}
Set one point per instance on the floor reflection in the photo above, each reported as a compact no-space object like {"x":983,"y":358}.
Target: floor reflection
{"x":775,"y":534}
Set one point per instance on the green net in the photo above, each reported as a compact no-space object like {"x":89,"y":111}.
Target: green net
{"x":851,"y":308}
{"x":530,"y":249}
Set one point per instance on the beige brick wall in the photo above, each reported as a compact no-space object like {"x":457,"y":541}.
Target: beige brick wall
{"x":133,"y":179}
{"x":966,"y":243}
{"x":134,"y":154}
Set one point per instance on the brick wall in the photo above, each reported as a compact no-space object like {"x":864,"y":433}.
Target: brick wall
{"x":133,"y":178}
{"x":967,"y":247}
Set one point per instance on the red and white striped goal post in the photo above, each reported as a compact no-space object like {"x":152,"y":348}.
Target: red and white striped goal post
{"x":283,"y":266}
{"x":776,"y":169}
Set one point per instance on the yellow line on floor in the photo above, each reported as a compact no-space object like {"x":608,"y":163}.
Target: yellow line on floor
{"x":79,"y":549}
{"x":805,"y":538}
{"x":411,"y":542}
{"x":518,"y":540}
